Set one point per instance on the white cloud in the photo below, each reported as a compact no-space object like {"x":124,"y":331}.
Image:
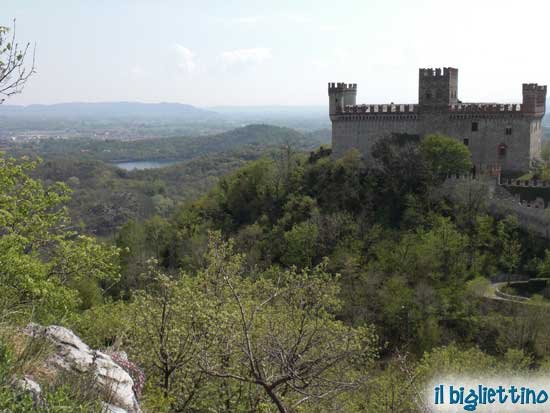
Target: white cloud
{"x":248,"y":56}
{"x":186,"y":59}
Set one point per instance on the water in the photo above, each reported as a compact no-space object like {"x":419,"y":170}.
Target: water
{"x":133,"y":165}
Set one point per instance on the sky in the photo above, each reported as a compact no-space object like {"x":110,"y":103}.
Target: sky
{"x":276,"y":52}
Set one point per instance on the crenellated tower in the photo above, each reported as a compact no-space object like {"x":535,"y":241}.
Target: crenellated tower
{"x":534,"y":99}
{"x":437,"y":87}
{"x":341,"y":95}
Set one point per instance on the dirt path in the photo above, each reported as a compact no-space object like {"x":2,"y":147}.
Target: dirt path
{"x":494,"y":293}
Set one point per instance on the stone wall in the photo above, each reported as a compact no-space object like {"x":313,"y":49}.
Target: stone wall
{"x":363,"y":131}
{"x":489,"y":144}
{"x":509,"y":139}
{"x":532,"y":216}
{"x":505,"y":135}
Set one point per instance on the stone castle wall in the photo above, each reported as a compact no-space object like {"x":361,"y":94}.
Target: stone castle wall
{"x":362,"y":131}
{"x":489,"y":144}
{"x":533,"y":216}
{"x":507,"y":135}
{"x":361,"y":128}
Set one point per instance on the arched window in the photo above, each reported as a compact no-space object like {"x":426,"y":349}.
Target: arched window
{"x":502,"y":149}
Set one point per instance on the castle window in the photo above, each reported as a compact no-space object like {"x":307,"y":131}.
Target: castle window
{"x":466,"y":141}
{"x":428,"y":95}
{"x":508,"y":131}
{"x":474,"y":126}
{"x":502,"y":148}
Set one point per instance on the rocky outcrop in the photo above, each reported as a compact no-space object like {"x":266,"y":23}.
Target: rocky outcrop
{"x":73,"y":355}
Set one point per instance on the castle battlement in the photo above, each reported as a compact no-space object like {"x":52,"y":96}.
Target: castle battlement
{"x":531,"y":183}
{"x":534,"y":86}
{"x":438,"y":72}
{"x":381,"y":108}
{"x":485,"y":107}
{"x":341,"y":87}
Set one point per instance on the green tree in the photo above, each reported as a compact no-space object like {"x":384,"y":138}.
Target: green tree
{"x":39,"y":255}
{"x":544,"y":266}
{"x":227,"y":339}
{"x":400,"y":171}
{"x":285,"y":338}
{"x":445,"y":155}
{"x":510,"y":245}
{"x":169,"y":325}
{"x":301,"y":244}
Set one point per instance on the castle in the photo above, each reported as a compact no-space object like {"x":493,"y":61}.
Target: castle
{"x":503,"y":136}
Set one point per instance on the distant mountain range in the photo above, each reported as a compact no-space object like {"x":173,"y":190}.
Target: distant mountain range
{"x":271,"y":110}
{"x":109,"y":110}
{"x":157,"y":110}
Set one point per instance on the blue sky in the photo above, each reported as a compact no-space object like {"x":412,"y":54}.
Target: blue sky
{"x":261,"y":52}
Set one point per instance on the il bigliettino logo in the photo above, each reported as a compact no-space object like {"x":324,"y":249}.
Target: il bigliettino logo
{"x":475,"y":394}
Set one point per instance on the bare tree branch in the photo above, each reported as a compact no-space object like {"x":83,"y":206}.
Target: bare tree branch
{"x":14,"y":70}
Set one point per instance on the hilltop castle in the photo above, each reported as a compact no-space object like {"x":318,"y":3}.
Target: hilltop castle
{"x":505,"y":136}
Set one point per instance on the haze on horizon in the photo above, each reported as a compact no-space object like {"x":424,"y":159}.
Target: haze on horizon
{"x":247,"y":52}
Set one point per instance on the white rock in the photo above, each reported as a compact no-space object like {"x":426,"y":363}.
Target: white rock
{"x":27,"y":384}
{"x":71,"y":353}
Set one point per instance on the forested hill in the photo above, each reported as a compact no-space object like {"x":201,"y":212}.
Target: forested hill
{"x":141,"y":194}
{"x":251,"y":137}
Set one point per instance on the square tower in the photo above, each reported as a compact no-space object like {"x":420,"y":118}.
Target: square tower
{"x":437,"y":87}
{"x":534,"y":99}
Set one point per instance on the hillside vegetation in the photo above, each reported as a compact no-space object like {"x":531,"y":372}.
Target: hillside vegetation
{"x":249,"y":138}
{"x":296,"y":283}
{"x":105,"y":197}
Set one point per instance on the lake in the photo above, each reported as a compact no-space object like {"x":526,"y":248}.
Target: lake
{"x":133,"y":165}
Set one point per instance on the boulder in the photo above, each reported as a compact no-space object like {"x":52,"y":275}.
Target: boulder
{"x":26,"y":384}
{"x":72,"y":354}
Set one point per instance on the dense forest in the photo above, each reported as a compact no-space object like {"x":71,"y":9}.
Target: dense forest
{"x":136,"y":195}
{"x":296,"y":283}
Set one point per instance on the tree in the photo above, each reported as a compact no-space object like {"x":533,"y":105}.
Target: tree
{"x":237,"y":341}
{"x":445,"y":155}
{"x":168,"y":328}
{"x":400,"y":171}
{"x":14,"y":71}
{"x":510,"y":256}
{"x":279,"y":333}
{"x":41,"y":258}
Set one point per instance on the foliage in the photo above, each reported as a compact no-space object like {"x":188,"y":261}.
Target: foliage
{"x":277,"y":288}
{"x":42,"y":261}
{"x":446,"y":155}
{"x":273,"y":336}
